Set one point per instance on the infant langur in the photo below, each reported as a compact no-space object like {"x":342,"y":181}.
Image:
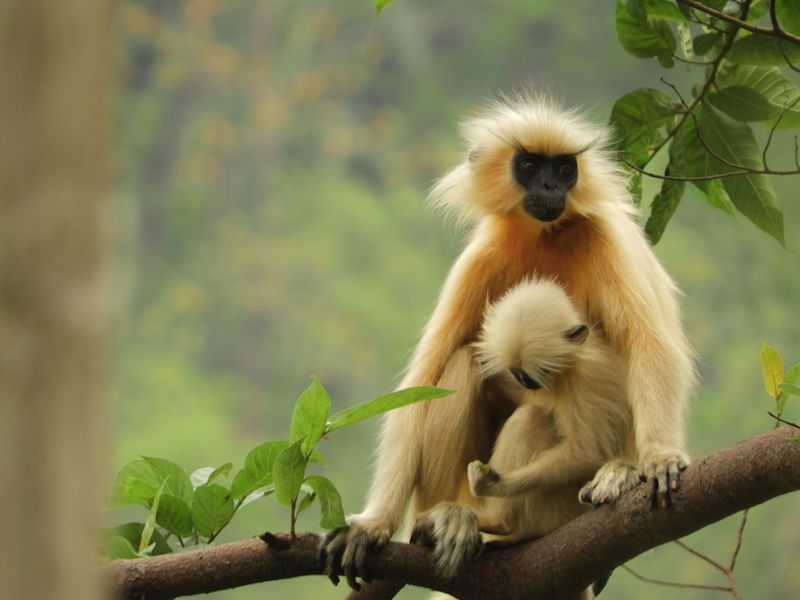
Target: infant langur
{"x":572,"y":418}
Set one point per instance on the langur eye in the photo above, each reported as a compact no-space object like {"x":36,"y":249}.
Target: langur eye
{"x":529,"y":167}
{"x":566,"y":170}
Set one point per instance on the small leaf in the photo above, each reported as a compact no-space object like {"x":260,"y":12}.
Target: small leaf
{"x":330,"y":502}
{"x":306,"y":501}
{"x":382,"y":404}
{"x":176,"y":480}
{"x":310,"y":415}
{"x":212,"y":508}
{"x":133,"y":533}
{"x":205,"y":475}
{"x":790,"y":388}
{"x":771,"y":369}
{"x":257,"y":472}
{"x":743,"y":104}
{"x":150,"y":523}
{"x":791,"y":376}
{"x":118,"y":547}
{"x":288,"y":472}
{"x":380,"y":5}
{"x":174,"y":515}
{"x":257,"y":495}
{"x":663,"y":207}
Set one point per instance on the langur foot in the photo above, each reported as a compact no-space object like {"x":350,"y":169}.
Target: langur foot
{"x":483,"y":479}
{"x":661,"y":471}
{"x":611,"y":481}
{"x":344,"y":551}
{"x":452,"y":531}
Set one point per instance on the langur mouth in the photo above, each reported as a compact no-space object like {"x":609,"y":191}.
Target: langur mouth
{"x":544,"y":208}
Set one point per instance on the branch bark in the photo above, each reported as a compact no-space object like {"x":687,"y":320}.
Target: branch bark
{"x":555,"y":566}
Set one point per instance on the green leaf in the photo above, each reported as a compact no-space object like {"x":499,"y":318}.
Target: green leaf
{"x":212,"y":508}
{"x":705,"y":42}
{"x":714,"y":193}
{"x":135,"y":483}
{"x":330,"y":502}
{"x":641,"y":37}
{"x":771,"y":369}
{"x":789,"y":388}
{"x":788,"y":15}
{"x":382,"y":404}
{"x":260,"y":460}
{"x":310,"y":415}
{"x":262,"y":492}
{"x":665,"y":60}
{"x":751,"y":194}
{"x":791,"y":376}
{"x":150,"y":523}
{"x":307,"y":499}
{"x":133,"y":533}
{"x":663,"y":207}
{"x":174,"y":515}
{"x":637,"y":119}
{"x":118,"y":547}
{"x":288,"y":472}
{"x":770,"y":83}
{"x":743,"y":103}
{"x":762,"y":50}
{"x":635,"y":187}
{"x":176,"y":481}
{"x":380,"y":5}
{"x":205,"y":475}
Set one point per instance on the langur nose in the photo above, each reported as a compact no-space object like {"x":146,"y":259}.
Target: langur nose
{"x":525,"y":380}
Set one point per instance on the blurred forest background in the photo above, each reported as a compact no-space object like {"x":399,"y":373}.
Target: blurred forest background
{"x":275,"y":160}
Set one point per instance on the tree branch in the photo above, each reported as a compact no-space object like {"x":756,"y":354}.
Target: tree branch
{"x":555,"y":566}
{"x":774,"y":31}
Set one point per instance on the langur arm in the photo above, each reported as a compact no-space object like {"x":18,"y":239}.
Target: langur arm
{"x":560,"y":465}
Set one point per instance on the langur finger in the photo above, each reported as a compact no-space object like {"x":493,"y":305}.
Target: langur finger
{"x":361,"y":563}
{"x":663,"y":489}
{"x":351,"y":574}
{"x":333,"y":563}
{"x":586,"y":495}
{"x":682,"y":464}
{"x":673,"y":476}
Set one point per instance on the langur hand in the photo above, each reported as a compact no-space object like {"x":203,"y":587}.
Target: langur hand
{"x":611,"y":481}
{"x":451,"y":530}
{"x":661,"y":470}
{"x":483,"y":479}
{"x":344,"y":551}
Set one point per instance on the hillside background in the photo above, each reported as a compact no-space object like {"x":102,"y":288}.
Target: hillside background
{"x":275,"y":158}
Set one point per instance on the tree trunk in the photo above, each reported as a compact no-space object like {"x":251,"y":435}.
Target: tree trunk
{"x":55,"y":94}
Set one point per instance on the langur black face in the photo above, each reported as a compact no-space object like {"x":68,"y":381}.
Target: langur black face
{"x":546,"y":180}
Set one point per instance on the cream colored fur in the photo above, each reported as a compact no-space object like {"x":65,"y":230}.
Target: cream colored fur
{"x":597,"y":252}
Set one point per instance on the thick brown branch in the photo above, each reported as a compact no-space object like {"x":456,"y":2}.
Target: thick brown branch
{"x":555,"y":566}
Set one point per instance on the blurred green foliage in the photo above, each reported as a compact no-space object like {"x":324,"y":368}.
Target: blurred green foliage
{"x":275,"y":158}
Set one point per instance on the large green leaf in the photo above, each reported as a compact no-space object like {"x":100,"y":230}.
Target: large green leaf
{"x":705,"y":42}
{"x":150,"y":523}
{"x":382,"y":404}
{"x":663,"y":9}
{"x":743,"y":103}
{"x":117,"y":547}
{"x":212,"y":508}
{"x":174,"y":515}
{"x":663,"y":207}
{"x":175,"y":479}
{"x":205,"y":475}
{"x":770,"y":83}
{"x":789,"y":15}
{"x":689,"y":158}
{"x":751,"y":194}
{"x":288,"y":472}
{"x":135,"y":483}
{"x":330,"y":502}
{"x":638,"y":118}
{"x":762,"y":50}
{"x":310,"y":415}
{"x":642,"y":37}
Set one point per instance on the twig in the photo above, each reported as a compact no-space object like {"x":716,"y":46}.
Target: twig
{"x":740,"y":22}
{"x":697,"y":586}
{"x":690,"y":61}
{"x":787,"y":106}
{"x":702,"y":556}
{"x":784,"y":421}
{"x":739,"y":535}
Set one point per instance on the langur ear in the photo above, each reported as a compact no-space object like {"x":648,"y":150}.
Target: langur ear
{"x":578,"y":334}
